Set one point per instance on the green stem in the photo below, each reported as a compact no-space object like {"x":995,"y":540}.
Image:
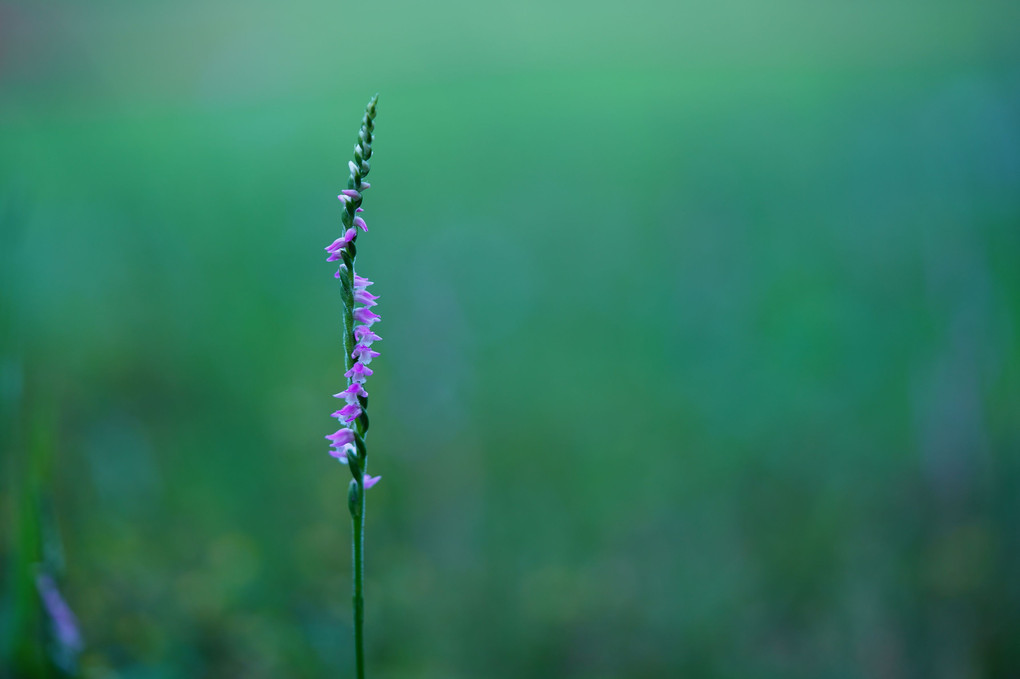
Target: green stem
{"x":359,"y":585}
{"x":359,"y":463}
{"x":358,"y":507}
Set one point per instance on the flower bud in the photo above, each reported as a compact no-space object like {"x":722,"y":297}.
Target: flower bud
{"x":354,"y":499}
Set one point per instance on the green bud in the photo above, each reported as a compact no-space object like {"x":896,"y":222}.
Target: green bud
{"x":355,"y":463}
{"x":354,"y":498}
{"x":348,"y":300}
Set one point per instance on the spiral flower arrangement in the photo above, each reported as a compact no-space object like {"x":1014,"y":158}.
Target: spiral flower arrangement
{"x":347,"y":444}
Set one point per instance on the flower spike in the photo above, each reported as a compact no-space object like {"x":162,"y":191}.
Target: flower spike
{"x":348,"y":443}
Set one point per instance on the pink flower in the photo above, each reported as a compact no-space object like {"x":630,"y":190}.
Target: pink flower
{"x":364,"y":335}
{"x":363,"y":354}
{"x":341,"y":242}
{"x":348,"y":413}
{"x":366,"y":316}
{"x":341,"y":437}
{"x":365,"y":297}
{"x":341,"y":453}
{"x":351,"y":393}
{"x":359,"y":373}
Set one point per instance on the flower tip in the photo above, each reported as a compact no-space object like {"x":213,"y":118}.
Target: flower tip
{"x":341,"y":437}
{"x":365,"y":316}
{"x":349,"y":412}
{"x":371,"y":481}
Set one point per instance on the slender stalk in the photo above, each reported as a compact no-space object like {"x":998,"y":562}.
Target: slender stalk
{"x":357,"y":500}
{"x":359,"y":585}
{"x":356,"y":497}
{"x":352,"y":291}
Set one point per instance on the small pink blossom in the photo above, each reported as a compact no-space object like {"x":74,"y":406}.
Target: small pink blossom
{"x":351,"y":393}
{"x":341,"y":242}
{"x":348,"y":413}
{"x":363,"y":354}
{"x":341,"y":437}
{"x":342,"y":453}
{"x":364,"y":335}
{"x":365,"y":297}
{"x":359,"y":373}
{"x":366,"y":316}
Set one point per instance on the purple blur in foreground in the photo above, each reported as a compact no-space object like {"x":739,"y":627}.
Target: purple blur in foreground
{"x":65,"y":625}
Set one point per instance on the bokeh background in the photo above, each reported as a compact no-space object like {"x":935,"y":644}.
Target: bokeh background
{"x":700,"y":320}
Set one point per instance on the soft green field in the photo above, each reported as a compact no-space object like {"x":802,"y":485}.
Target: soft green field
{"x":701,"y":356}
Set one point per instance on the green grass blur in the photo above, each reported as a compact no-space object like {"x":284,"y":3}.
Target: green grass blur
{"x":700,"y":358}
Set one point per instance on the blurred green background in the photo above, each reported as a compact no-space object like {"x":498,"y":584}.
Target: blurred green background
{"x":700,"y":322}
